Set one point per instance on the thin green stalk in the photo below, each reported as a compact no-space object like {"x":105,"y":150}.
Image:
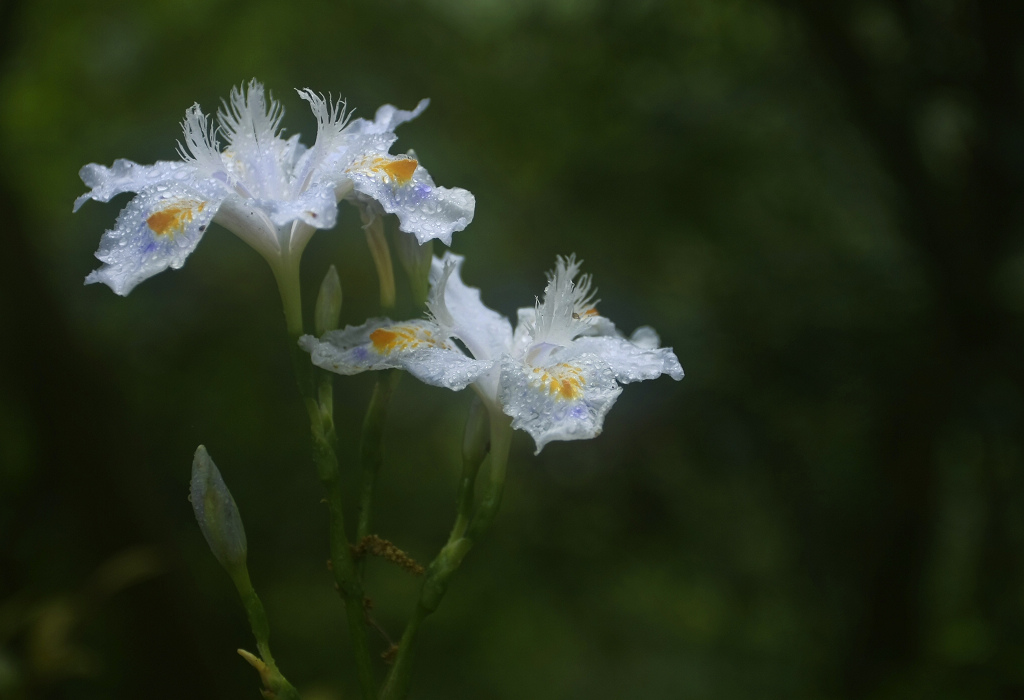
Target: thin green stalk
{"x":396,"y":685}
{"x":326,"y":461}
{"x":272,"y":677}
{"x":371,"y":443}
{"x":448,"y":560}
{"x":371,"y":450}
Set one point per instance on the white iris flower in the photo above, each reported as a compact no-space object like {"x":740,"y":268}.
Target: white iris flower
{"x":556,"y":376}
{"x":271,"y":192}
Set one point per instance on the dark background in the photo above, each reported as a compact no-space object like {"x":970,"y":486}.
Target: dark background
{"x":818,"y":204}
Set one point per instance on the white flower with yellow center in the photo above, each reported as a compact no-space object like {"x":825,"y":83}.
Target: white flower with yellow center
{"x":556,"y":376}
{"x":271,"y":192}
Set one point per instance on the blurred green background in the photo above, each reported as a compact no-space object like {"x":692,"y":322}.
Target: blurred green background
{"x":818,"y":204}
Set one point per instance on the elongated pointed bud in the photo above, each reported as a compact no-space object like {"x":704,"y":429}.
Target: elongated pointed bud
{"x":373,"y":224}
{"x":477,"y":436}
{"x":328,"y":303}
{"x":415,"y":259}
{"x":217,"y":513}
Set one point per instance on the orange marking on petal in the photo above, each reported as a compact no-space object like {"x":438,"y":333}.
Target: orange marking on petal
{"x":400,"y":170}
{"x":592,"y":311}
{"x":383,"y":341}
{"x":563,"y":382}
{"x":403,"y":338}
{"x":569,"y":389}
{"x":172,"y":220}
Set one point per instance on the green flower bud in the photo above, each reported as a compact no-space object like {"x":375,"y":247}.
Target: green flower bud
{"x":415,"y":259}
{"x":373,"y":225}
{"x":328,"y":303}
{"x":217,"y":513}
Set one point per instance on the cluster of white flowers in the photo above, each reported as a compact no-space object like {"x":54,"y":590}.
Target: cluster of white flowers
{"x":556,"y":375}
{"x":271,"y":192}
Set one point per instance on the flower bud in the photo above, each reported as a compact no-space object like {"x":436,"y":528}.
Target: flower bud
{"x":373,"y":225}
{"x":217,"y":513}
{"x":328,"y":303}
{"x":415,"y":259}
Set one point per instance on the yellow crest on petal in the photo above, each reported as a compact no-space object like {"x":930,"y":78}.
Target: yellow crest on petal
{"x":173,"y":219}
{"x":563,"y":381}
{"x":387,"y":340}
{"x":399,"y":171}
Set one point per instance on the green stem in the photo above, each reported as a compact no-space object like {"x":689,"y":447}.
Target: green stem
{"x":257,"y":617}
{"x":371,"y":443}
{"x":343,"y":566}
{"x":287,"y":276}
{"x":448,"y":560}
{"x":475,"y":449}
{"x":326,"y":461}
{"x":501,"y":442}
{"x":371,"y":449}
{"x":273,"y":679}
{"x":397,"y":683}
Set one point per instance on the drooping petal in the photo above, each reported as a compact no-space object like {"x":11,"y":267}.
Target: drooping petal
{"x":631,"y":361}
{"x":388,"y":117}
{"x":158,"y":229}
{"x":486,"y":333}
{"x":127,"y":176}
{"x":404,"y":188}
{"x":567,"y":400}
{"x":420,"y":347}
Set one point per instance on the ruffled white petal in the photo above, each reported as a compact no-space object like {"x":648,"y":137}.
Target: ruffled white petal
{"x":356,"y":156}
{"x":201,"y":149}
{"x":256,"y":156}
{"x":331,"y":121}
{"x":420,"y":347}
{"x":567,"y":309}
{"x":158,"y":229}
{"x":127,"y":176}
{"x":486,"y":333}
{"x":404,"y":188}
{"x":566,"y":400}
{"x":388,"y":117}
{"x":629,"y":360}
{"x":246,"y":116}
